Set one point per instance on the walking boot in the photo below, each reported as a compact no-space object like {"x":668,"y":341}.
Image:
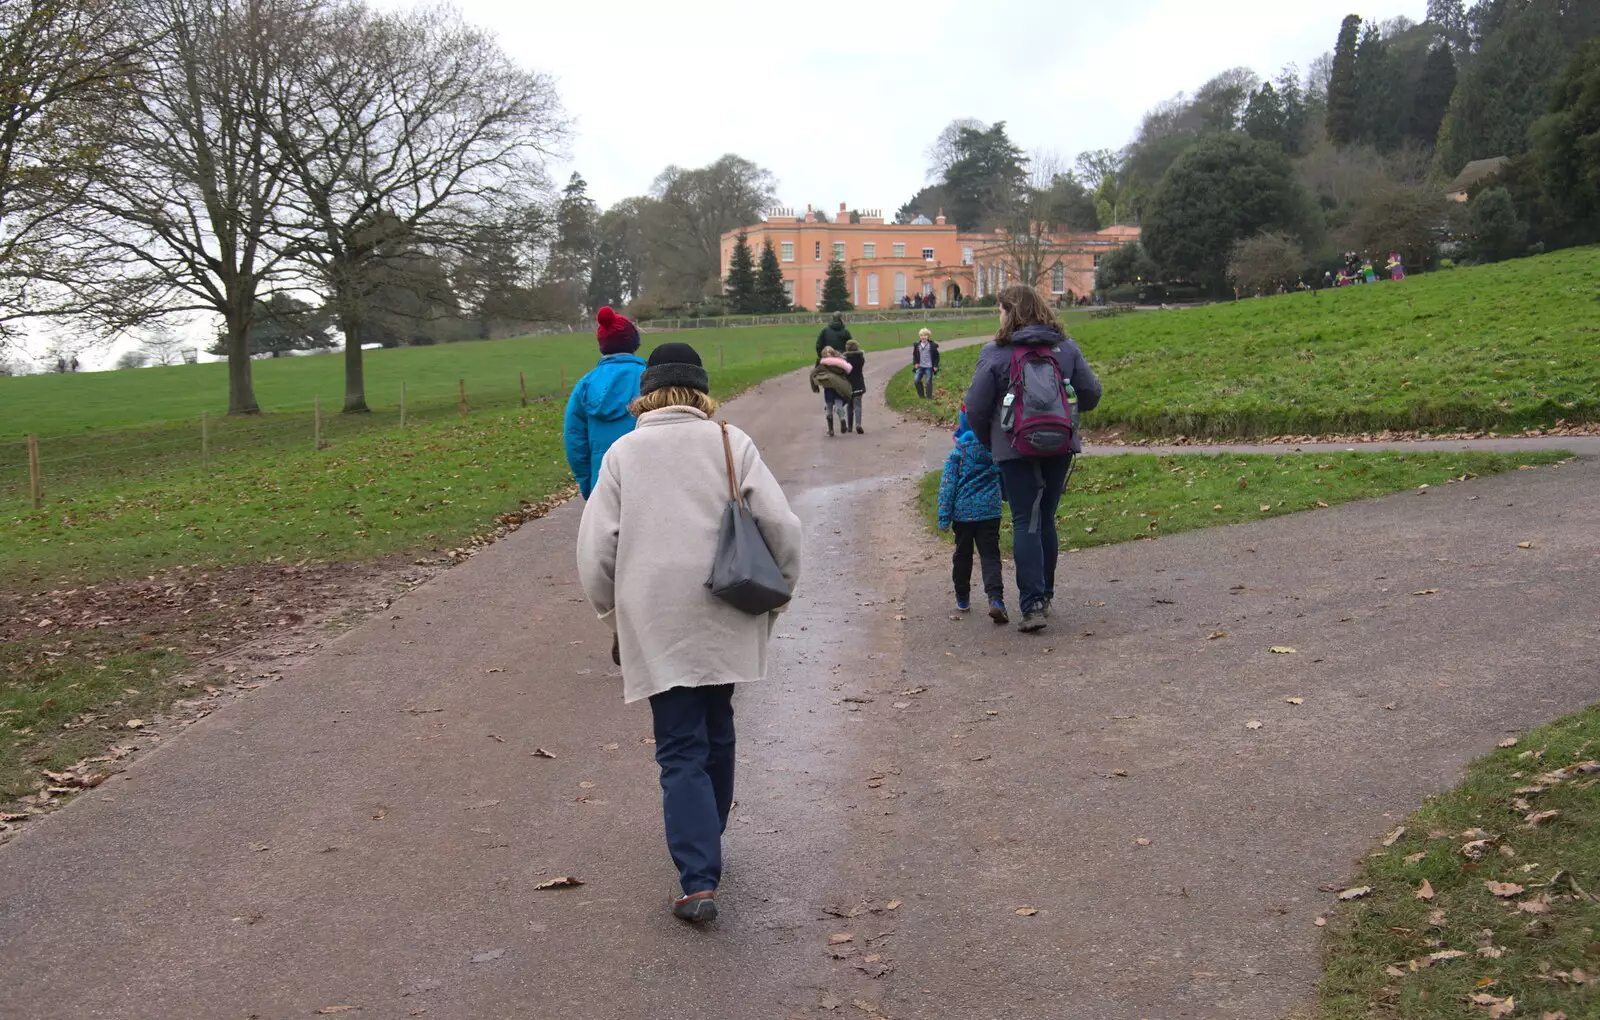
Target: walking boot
{"x":696,"y":907}
{"x":920,"y":394}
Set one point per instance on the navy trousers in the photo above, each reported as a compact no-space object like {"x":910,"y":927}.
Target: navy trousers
{"x":694,"y":747}
{"x":1033,"y":486}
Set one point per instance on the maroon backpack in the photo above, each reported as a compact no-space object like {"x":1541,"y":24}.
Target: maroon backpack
{"x":1037,"y":410}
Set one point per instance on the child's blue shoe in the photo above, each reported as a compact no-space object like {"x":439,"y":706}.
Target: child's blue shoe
{"x":997,"y":611}
{"x":964,"y":605}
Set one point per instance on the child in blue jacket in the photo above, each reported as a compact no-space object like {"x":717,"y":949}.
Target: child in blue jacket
{"x":597,"y":412}
{"x":970,"y":503}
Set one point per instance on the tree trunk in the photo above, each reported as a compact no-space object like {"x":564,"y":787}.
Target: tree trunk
{"x":355,"y":380}
{"x":241,"y":389}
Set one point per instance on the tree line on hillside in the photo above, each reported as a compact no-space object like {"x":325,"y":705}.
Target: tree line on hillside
{"x":1252,"y":184}
{"x":289,"y":167}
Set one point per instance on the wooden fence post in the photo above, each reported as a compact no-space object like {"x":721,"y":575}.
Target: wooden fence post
{"x":462,"y":390}
{"x":402,"y":404}
{"x":35,"y":485}
{"x":205,"y":441}
{"x":522,"y":380}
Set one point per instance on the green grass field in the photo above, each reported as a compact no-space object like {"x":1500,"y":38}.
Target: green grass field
{"x":1433,"y":940}
{"x":100,"y":430}
{"x":1506,"y":346}
{"x":1132,"y":496}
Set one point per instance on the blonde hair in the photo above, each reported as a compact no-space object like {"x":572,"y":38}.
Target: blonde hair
{"x":924,"y":334}
{"x":1020,"y":305}
{"x":673,"y":396}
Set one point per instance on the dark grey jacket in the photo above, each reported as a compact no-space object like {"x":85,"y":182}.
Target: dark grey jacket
{"x":992,"y":378}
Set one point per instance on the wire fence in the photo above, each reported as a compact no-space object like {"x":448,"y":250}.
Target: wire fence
{"x":40,"y":470}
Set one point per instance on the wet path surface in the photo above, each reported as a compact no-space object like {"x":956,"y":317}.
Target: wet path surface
{"x":368,"y":832}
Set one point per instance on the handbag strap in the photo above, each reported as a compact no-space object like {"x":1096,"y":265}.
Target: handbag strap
{"x":727,"y":450}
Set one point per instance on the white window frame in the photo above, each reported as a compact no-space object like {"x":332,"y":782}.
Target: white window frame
{"x":819,"y":294}
{"x":1058,"y":279}
{"x":872,"y":289}
{"x":838,"y":250}
{"x":966,"y":256}
{"x":1097,"y":262}
{"x":817,"y":254}
{"x":927,"y":254}
{"x":786,"y":251}
{"x":788,"y":290}
{"x":900,"y":250}
{"x":899,"y":287}
{"x":927,"y":289}
{"x":869,"y":250}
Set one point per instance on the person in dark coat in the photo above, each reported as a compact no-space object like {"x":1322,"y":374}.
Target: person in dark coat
{"x":924,"y":363}
{"x":858,"y":385}
{"x":1033,"y":485}
{"x":834,"y":335}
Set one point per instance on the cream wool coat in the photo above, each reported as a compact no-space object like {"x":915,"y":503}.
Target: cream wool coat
{"x":645,"y":547}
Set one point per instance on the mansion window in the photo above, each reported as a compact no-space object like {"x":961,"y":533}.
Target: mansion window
{"x":872,"y":288}
{"x":869,"y":251}
{"x":900,"y":251}
{"x":838,"y":250}
{"x":818,"y":254}
{"x":788,"y":290}
{"x":927,"y":254}
{"x":1058,"y":279}
{"x":788,"y":251}
{"x":966,"y":256}
{"x":1097,"y":262}
{"x":899,"y":287}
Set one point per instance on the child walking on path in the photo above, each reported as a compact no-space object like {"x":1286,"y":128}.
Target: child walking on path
{"x":645,"y":547}
{"x":597,"y":411}
{"x":831,"y":378}
{"x":924,"y":363}
{"x":858,"y":384}
{"x":970,"y":503}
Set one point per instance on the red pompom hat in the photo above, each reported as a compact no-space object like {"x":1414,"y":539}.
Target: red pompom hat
{"x":616,"y":333}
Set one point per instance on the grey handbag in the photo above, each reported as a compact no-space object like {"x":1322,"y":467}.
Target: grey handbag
{"x":744,"y":574}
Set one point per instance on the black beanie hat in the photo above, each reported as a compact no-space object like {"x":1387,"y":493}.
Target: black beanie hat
{"x":674,"y":364}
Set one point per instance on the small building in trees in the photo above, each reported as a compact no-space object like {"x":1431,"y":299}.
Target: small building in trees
{"x":885,"y":262}
{"x":1473,"y":175}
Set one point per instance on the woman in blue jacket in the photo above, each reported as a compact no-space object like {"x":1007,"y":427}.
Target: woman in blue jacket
{"x":597,"y":412}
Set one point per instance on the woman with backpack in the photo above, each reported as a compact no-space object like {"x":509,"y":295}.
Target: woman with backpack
{"x":1027,"y":393}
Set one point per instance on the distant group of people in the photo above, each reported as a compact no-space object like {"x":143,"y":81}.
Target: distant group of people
{"x":666,"y":487}
{"x":1360,"y":269}
{"x":924,"y":301}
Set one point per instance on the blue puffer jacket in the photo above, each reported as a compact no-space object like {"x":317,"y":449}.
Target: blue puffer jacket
{"x":970,"y":488}
{"x":597,"y":415}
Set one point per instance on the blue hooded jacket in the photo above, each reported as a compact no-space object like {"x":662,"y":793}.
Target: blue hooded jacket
{"x":970,"y":488}
{"x":597,"y":415}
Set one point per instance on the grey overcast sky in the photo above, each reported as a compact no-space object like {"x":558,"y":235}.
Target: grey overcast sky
{"x":840,"y":99}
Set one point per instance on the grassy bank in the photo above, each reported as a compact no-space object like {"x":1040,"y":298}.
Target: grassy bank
{"x":1486,"y":904}
{"x":1506,"y":346}
{"x":1132,"y":496}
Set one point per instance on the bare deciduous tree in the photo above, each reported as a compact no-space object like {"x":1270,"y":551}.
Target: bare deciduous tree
{"x":402,"y":134}
{"x":61,"y":62}
{"x":946,"y":148}
{"x":1266,"y":262}
{"x":192,"y":180}
{"x":1026,"y":245}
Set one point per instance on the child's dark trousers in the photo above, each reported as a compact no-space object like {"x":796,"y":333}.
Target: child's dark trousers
{"x":986,"y":536}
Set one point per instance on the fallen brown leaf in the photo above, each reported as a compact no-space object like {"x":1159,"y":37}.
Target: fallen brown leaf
{"x":560,"y":882}
{"x":892,"y":905}
{"x":1508,"y":742}
{"x":1394,"y":834}
{"x":1321,"y":922}
{"x":1214,"y":635}
{"x":1282,"y":650}
{"x":1141,"y":841}
{"x":1027,"y":911}
{"x":325,"y":1010}
{"x":1414,"y":858}
{"x":1427,"y":591}
{"x":540,"y":752}
{"x":1534,"y":818}
{"x":841,"y":938}
{"x":1503,"y":889}
{"x":1446,"y":954}
{"x":1496,"y":1005}
{"x":1253,"y":724}
{"x":1425,"y":890}
{"x":1295,"y":701}
{"x":1356,"y":892}
{"x":1524,"y":545}
{"x":1534,"y":907}
{"x":1436,"y":917}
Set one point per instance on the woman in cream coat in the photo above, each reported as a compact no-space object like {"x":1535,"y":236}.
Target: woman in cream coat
{"x":645,"y":548}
